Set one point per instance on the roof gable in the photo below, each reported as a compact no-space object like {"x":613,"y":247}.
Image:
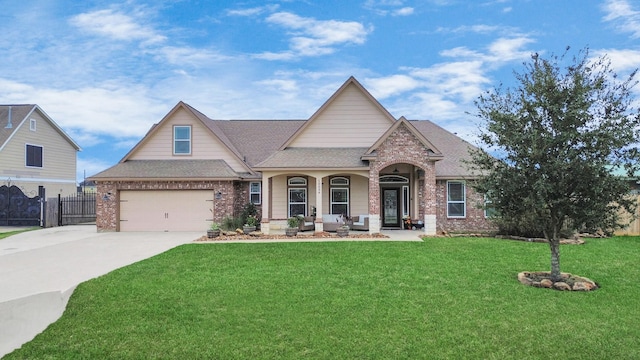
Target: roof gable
{"x":222,"y":143}
{"x":421,"y":138}
{"x":351,"y":117}
{"x":17,"y":115}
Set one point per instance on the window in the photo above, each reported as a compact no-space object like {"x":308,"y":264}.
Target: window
{"x":340,"y":201}
{"x":456,"y":206}
{"x":297,"y":196}
{"x":32,"y":124}
{"x":489,"y":209}
{"x":182,"y":140}
{"x":339,"y":195}
{"x":405,"y":201}
{"x":34,"y":156}
{"x":254,"y":193}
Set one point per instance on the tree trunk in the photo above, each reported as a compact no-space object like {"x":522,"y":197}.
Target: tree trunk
{"x":554,"y":245}
{"x":553,"y":237}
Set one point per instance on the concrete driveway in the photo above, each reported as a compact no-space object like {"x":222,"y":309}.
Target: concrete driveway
{"x":40,"y":269}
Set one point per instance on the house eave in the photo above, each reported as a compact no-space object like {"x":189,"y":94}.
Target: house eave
{"x":161,"y":179}
{"x":298,"y":169}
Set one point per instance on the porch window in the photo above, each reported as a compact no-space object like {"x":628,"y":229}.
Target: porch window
{"x":297,"y":196}
{"x":456,"y":201}
{"x":182,"y":140}
{"x":255,"y":193}
{"x":339,"y":195}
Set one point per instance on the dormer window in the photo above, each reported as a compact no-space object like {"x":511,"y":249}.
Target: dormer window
{"x":32,"y":124}
{"x":182,"y":140}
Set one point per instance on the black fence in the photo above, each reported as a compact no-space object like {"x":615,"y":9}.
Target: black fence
{"x":18,"y":209}
{"x":76,"y":209}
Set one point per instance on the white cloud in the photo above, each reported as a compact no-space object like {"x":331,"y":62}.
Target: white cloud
{"x":405,"y":11}
{"x":311,"y":37}
{"x":115,"y":25}
{"x":253,"y":11}
{"x":626,"y":19}
{"x":189,"y":56}
{"x":384,"y":87}
{"x":118,"y":110}
{"x":498,"y":52}
{"x":622,"y":60}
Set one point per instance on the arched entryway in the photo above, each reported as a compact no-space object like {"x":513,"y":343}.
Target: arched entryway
{"x":395,"y":197}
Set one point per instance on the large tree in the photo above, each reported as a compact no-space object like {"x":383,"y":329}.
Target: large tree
{"x":554,"y":146}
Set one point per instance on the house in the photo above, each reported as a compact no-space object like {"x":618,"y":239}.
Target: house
{"x":351,"y":157}
{"x":35,"y":152}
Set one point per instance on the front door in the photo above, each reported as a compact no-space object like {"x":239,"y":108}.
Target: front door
{"x":390,"y":209}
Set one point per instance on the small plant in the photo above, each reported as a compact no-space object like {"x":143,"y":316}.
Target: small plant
{"x":214,"y":226}
{"x":231,"y":223}
{"x":252,"y":220}
{"x":293,"y":222}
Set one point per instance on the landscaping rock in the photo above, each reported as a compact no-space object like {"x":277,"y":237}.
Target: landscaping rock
{"x":546,"y":283}
{"x":561,"y":285}
{"x":568,"y":282}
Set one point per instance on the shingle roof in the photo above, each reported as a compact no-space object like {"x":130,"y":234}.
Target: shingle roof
{"x":256,"y":140}
{"x":314,"y":158}
{"x":18,"y":113}
{"x":454,"y":149}
{"x":169,"y":169}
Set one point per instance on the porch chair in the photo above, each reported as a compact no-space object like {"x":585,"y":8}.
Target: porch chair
{"x":306,"y":223}
{"x":360,"y":222}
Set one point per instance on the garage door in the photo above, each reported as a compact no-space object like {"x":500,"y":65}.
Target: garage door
{"x":166,"y":210}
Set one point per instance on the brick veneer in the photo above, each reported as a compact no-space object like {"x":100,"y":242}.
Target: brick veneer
{"x":108,"y":197}
{"x":403,"y":147}
{"x":474,"y":219}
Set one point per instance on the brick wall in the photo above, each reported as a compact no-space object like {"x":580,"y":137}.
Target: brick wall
{"x":403,"y":147}
{"x":474,"y":221}
{"x":108,"y":197}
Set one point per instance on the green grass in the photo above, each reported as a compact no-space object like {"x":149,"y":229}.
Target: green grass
{"x":441,"y":299}
{"x":6,"y":234}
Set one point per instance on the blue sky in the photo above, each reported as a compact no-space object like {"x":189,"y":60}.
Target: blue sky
{"x":107,"y":70}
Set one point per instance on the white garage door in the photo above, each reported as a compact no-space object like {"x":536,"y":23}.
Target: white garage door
{"x":166,"y":210}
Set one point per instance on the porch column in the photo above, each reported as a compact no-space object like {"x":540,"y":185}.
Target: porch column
{"x":429,"y":199}
{"x":318,"y":222}
{"x":374,"y":199}
{"x":266,"y":205}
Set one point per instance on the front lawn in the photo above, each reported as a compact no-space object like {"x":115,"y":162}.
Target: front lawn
{"x":442,"y":299}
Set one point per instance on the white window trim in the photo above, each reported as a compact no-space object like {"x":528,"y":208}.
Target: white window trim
{"x":339,"y":181}
{"x":289,"y":203}
{"x":259,"y":192}
{"x":463,"y":202}
{"x":175,"y":127}
{"x":25,"y":156}
{"x":405,"y":201}
{"x":32,"y":124}
{"x":297,"y":181}
{"x":338,"y":202}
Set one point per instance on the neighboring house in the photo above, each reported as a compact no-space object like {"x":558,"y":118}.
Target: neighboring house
{"x":35,"y":151}
{"x":350,"y":157}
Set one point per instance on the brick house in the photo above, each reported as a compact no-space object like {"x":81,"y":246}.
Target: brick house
{"x":350,"y":158}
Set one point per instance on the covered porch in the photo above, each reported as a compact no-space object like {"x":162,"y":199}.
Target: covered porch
{"x":332,"y":197}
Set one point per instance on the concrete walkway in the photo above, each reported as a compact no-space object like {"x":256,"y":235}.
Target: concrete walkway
{"x":39,"y":269}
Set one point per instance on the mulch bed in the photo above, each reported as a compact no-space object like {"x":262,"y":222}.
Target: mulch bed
{"x":256,"y":235}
